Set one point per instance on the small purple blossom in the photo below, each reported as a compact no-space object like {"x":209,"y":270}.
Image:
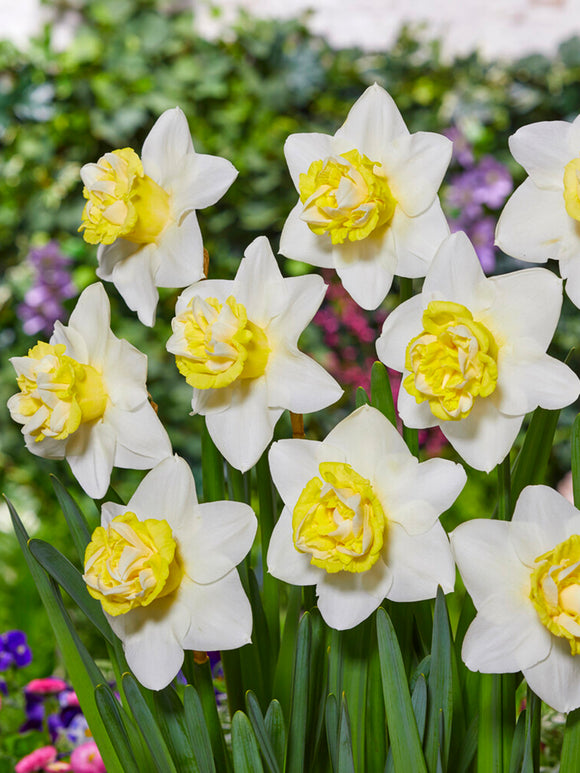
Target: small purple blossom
{"x":462,"y":150}
{"x":14,"y":650}
{"x":493,"y":183}
{"x":42,"y":304}
{"x":482,"y":235}
{"x":461,"y":195}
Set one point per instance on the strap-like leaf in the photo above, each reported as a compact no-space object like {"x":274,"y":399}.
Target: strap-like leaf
{"x":245,"y":752}
{"x":261,"y":733}
{"x":197,"y":729}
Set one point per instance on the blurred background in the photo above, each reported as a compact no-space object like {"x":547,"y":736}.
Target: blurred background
{"x":81,"y":77}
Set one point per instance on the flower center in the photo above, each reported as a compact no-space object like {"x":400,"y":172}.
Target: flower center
{"x":572,"y":188}
{"x":216,"y":344}
{"x":131,"y":563}
{"x":346,"y":197}
{"x":122,"y":201}
{"x":555,"y":591}
{"x":452,"y":361}
{"x":339,"y":520}
{"x":57,"y":394}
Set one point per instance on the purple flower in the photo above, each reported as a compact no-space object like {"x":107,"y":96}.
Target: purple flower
{"x":14,"y":650}
{"x":493,"y":183}
{"x":462,"y":150}
{"x":461,"y":195}
{"x":52,"y":285}
{"x":481,"y":234}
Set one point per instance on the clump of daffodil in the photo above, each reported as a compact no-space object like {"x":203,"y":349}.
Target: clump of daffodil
{"x":541,"y":220}
{"x":141,"y":212}
{"x":361,"y":518}
{"x":236,"y":344}
{"x":83,"y":396}
{"x":164,"y":569}
{"x":473,"y":352}
{"x":523,"y":576}
{"x":368,"y":203}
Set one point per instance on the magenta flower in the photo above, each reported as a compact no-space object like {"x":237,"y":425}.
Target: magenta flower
{"x":47,"y":686}
{"x":87,"y":759}
{"x":36,"y":760}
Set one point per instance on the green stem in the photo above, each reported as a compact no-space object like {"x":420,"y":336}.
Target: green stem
{"x":504,"y":507}
{"x":489,"y":736}
{"x":271,"y":591}
{"x":212,"y":469}
{"x":405,"y":289}
{"x":203,"y":683}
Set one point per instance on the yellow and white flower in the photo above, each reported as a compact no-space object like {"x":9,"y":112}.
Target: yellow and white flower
{"x":164,"y":569}
{"x":541,"y":220}
{"x":368,"y":198}
{"x":524,"y":579}
{"x":473,"y":353}
{"x":361,"y":518}
{"x":141,"y":212}
{"x":236,"y":343}
{"x":83,"y":397}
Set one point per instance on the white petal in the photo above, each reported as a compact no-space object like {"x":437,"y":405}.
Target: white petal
{"x":365,"y":271}
{"x":504,"y":648}
{"x":125,"y":374}
{"x":455,"y":272}
{"x":90,"y":453}
{"x":134,"y":279}
{"x":49,"y":448}
{"x":415,"y":165}
{"x":167,"y":492}
{"x":301,"y":300}
{"x":345,"y":599}
{"x":300,"y":243}
{"x":542,"y":149}
{"x":298,"y":383}
{"x":154,"y":655}
{"x":485,"y":437}
{"x":523,"y":304}
{"x":108,"y":255}
{"x":110,"y":510}
{"x":553,"y":517}
{"x":533,"y":223}
{"x":202,"y":181}
{"x":258,"y":271}
{"x":243,"y":431}
{"x":556,"y":679}
{"x":223,"y":535}
{"x":400,"y":327}
{"x":91,"y":318}
{"x":417,"y":239}
{"x":301,"y":150}
{"x":372,"y":123}
{"x":284,"y":561}
{"x":220,"y":289}
{"x":165,"y":146}
{"x":419,"y":563}
{"x":221,"y":616}
{"x":570,"y":270}
{"x":142,"y":440}
{"x":76,"y":346}
{"x":536,"y":381}
{"x":412,"y":413}
{"x":181,"y":254}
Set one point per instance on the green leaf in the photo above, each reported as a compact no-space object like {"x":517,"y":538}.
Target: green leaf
{"x":518,"y":745}
{"x":489,"y":738}
{"x":261,"y":733}
{"x":468,"y":748}
{"x":274,"y":722}
{"x":403,"y":731}
{"x":345,"y":752}
{"x":245,"y":752}
{"x":212,"y":469}
{"x":299,"y":704}
{"x":381,"y":393}
{"x":197,"y":729}
{"x":77,"y":524}
{"x":355,"y":658}
{"x":361,"y":397}
{"x":332,"y":720}
{"x":70,"y":579}
{"x":419,"y":702}
{"x":149,"y":728}
{"x":571,"y":745}
{"x":110,"y":712}
{"x":440,"y":688}
{"x":285,"y":664}
{"x":172,"y":723}
{"x":81,"y":668}
{"x":376,"y":724}
{"x":532,"y":462}
{"x":271,"y":586}
{"x":203,"y":683}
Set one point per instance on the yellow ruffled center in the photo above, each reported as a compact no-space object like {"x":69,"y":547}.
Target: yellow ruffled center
{"x":346,"y":197}
{"x":57,"y":394}
{"x":452,"y":361}
{"x":555,"y":591}
{"x":131,"y":563}
{"x":339,"y":520}
{"x":122,"y":201}
{"x":221,"y":343}
{"x":572,"y":188}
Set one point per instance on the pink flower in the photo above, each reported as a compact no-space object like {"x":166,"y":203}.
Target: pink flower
{"x":36,"y":760}
{"x":58,"y":767}
{"x":87,"y":759}
{"x":46,"y":686}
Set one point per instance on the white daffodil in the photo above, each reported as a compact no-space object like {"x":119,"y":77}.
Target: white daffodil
{"x":236,"y":344}
{"x":473,"y":353}
{"x":368,"y":198}
{"x":361,"y":518}
{"x":542,"y":218}
{"x":164,"y":569}
{"x":141,"y":211}
{"x":524,"y":578}
{"x":83,"y":397}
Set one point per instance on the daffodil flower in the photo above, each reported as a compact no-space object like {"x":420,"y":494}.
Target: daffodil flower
{"x":164,"y":569}
{"x":141,"y":212}
{"x":368,"y":198}
{"x":541,"y":220}
{"x":235,"y":342}
{"x":472,"y":352}
{"x":83,"y":397}
{"x":361,"y":518}
{"x":523,"y":576}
